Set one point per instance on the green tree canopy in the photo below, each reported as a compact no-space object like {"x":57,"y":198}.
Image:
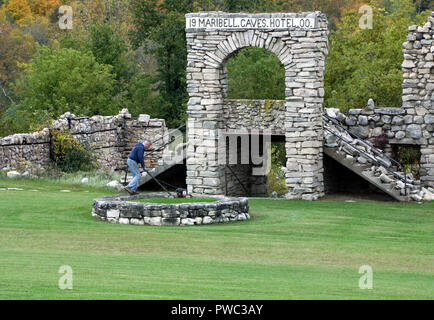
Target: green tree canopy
{"x":60,"y":80}
{"x":16,"y":49}
{"x":255,"y":73}
{"x":162,"y":24}
{"x":366,"y":63}
{"x":109,"y":48}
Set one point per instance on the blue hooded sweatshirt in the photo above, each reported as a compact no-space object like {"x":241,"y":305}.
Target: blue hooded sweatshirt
{"x":137,"y":154}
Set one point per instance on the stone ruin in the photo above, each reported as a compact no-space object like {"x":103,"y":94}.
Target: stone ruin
{"x":413,"y":123}
{"x":212,"y":39}
{"x":110,"y":138}
{"x":298,"y":119}
{"x":417,"y":126}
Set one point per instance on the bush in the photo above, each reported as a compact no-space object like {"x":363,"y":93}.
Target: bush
{"x":276,"y":176}
{"x":409,"y":157}
{"x":69,"y":155}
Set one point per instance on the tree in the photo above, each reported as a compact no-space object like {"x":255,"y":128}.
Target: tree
{"x":133,"y":88}
{"x":422,"y":5}
{"x":365,"y":64}
{"x":16,"y":49}
{"x":60,"y":80}
{"x":142,"y":99}
{"x":255,"y":73}
{"x":115,"y":13}
{"x":118,"y":16}
{"x":40,"y":29}
{"x":172,"y":62}
{"x":109,"y":48}
{"x":159,"y":26}
{"x":162,"y":23}
{"x":19,"y":10}
{"x":44,"y":7}
{"x":243,"y":5}
{"x":87,"y":13}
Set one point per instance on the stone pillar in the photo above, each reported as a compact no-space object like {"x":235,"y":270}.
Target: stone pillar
{"x":303,"y":125}
{"x":418,"y":92}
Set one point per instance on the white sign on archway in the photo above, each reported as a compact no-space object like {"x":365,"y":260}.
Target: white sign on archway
{"x":255,"y":23}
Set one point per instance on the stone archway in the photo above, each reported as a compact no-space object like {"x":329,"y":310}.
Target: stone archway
{"x":300,"y":41}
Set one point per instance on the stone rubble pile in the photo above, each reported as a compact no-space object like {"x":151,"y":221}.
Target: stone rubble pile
{"x":394,"y":122}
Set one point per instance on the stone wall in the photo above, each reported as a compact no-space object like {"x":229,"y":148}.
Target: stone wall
{"x":142,"y":128}
{"x":302,"y":52}
{"x":371,"y":122}
{"x":19,"y":149}
{"x":255,"y":114}
{"x":110,"y":137}
{"x":122,"y":209}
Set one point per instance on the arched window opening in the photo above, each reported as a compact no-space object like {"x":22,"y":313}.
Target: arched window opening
{"x":255,"y":73}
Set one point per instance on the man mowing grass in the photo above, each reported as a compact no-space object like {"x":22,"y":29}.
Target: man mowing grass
{"x":135,"y":158}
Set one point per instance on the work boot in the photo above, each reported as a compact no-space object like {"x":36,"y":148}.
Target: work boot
{"x":128,"y":189}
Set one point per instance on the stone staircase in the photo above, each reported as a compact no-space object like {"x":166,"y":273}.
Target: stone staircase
{"x":169,"y":160}
{"x":370,"y":163}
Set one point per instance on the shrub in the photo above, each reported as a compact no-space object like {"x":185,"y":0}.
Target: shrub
{"x":276,"y":176}
{"x":69,"y":155}
{"x":409,"y":157}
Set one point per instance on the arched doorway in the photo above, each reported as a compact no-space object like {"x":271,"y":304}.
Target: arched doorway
{"x":256,"y":100}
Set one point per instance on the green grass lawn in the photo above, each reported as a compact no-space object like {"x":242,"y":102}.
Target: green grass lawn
{"x":289,"y":250}
{"x":175,"y":200}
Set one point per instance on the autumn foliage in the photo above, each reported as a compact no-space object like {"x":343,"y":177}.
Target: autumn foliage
{"x":44,"y":7}
{"x":132,"y":53}
{"x":19,"y":9}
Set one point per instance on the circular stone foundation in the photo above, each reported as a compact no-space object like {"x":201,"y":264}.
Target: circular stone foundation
{"x":122,"y":209}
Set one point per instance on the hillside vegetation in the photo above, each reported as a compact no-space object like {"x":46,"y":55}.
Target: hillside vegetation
{"x":132,"y":54}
